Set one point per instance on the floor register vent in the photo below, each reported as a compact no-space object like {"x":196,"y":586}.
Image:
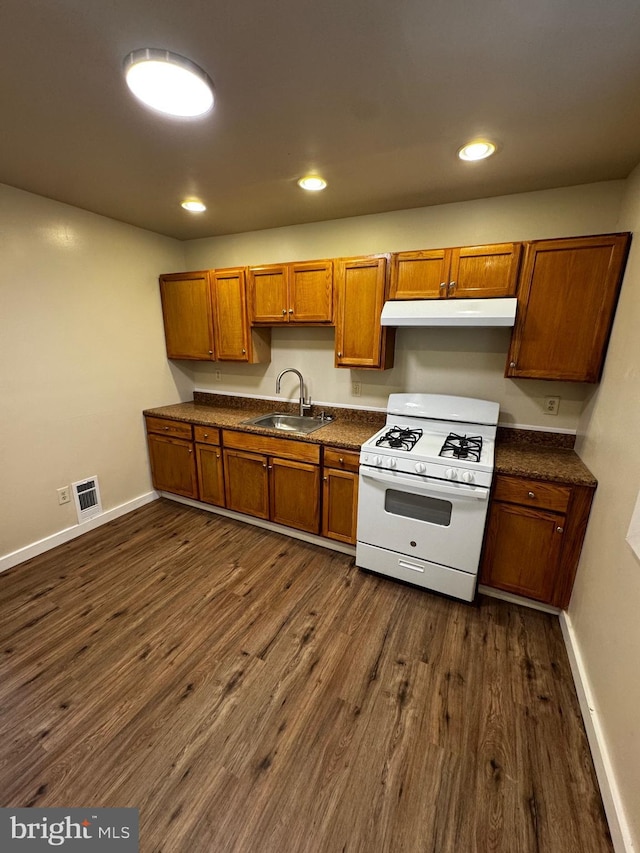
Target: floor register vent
{"x":86,"y":494}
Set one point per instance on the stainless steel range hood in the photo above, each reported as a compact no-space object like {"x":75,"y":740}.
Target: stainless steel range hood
{"x":450,"y":312}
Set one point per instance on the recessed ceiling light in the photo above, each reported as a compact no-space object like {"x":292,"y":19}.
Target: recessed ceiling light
{"x":168,"y":82}
{"x":312,"y":183}
{"x":477,"y":150}
{"x":194,"y":206}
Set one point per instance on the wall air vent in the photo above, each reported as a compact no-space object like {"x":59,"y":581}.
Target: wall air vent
{"x":86,"y":494}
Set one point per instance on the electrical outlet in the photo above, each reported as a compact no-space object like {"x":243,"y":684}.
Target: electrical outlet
{"x":64,"y":495}
{"x":356,"y":387}
{"x":551,"y":405}
{"x":218,"y":376}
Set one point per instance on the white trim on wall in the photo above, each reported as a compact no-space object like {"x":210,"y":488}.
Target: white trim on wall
{"x":69,"y":533}
{"x":618,"y":825}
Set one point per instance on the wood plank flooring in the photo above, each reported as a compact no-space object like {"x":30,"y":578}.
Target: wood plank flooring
{"x":252,"y":693}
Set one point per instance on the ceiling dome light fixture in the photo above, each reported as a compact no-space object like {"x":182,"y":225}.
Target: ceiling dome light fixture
{"x":194,"y":206}
{"x":313,"y":183}
{"x":168,"y":83}
{"x":477,"y":150}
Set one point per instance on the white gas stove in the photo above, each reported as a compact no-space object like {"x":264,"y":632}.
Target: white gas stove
{"x":424,"y":491}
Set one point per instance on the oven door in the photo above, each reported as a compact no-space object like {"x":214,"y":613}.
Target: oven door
{"x":422,"y":517}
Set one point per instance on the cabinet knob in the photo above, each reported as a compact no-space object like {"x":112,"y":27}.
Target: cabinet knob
{"x":325,"y":479}
{"x":531,"y":494}
{"x":284,"y":311}
{"x":452,"y":284}
{"x":217,"y":456}
{"x":270,"y":467}
{"x":341,"y":460}
{"x":210,"y":352}
{"x":190,"y":450}
{"x":443,"y":284}
{"x":339,"y":355}
{"x":166,"y":427}
{"x":559,"y":529}
{"x":206,"y":435}
{"x":244,"y":352}
{"x":264,"y":464}
{"x":512,"y":364}
{"x":290,"y":310}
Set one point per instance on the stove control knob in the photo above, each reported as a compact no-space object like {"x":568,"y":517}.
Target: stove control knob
{"x":391,"y":463}
{"x":420,"y":467}
{"x":467,"y":477}
{"x":377,"y":460}
{"x":451,"y":474}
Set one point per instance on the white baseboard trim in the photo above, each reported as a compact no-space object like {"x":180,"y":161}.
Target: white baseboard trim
{"x":312,"y":538}
{"x":618,"y":825}
{"x":62,"y":536}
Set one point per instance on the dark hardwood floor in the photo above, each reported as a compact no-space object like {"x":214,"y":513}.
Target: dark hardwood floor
{"x":249,"y":692}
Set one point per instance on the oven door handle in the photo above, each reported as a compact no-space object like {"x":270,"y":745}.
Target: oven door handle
{"x":426,"y":486}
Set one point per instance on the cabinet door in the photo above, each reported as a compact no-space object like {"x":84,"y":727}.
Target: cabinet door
{"x":522,"y":550}
{"x":230,"y":328}
{"x":268,"y":294}
{"x":173,"y":467}
{"x":420,"y":275}
{"x":210,"y":474}
{"x":485,"y":271}
{"x":566,"y":303}
{"x":246,"y":483}
{"x":360,"y":291}
{"x":339,"y":505}
{"x":311,"y":292}
{"x":295,"y":494}
{"x":186,"y":311}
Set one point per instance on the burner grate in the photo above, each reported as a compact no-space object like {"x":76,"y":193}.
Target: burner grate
{"x":462,"y":447}
{"x":399,"y":438}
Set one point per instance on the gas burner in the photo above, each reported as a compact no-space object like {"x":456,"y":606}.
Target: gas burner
{"x":399,"y":438}
{"x":462,"y":447}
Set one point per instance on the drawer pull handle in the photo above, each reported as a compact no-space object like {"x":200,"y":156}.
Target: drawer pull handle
{"x":532,"y":494}
{"x":559,"y":529}
{"x":167,"y":427}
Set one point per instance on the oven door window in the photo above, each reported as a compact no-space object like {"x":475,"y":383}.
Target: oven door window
{"x":419,"y":507}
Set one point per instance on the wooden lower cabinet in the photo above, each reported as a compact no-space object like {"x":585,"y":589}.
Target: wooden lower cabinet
{"x":272,"y":478}
{"x":210,"y":474}
{"x":340,"y":495}
{"x":246,"y":483}
{"x":534,"y":537}
{"x":173,"y":465}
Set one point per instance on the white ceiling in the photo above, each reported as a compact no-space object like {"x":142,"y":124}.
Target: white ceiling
{"x":376,"y":95}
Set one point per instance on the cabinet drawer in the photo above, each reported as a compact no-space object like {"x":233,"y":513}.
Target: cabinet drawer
{"x":206,"y":435}
{"x":286,"y":448}
{"x":533,"y":493}
{"x":344,"y":460}
{"x":163,"y":426}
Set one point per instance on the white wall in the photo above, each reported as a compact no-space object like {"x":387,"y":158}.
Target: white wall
{"x":605,"y":606}
{"x":468,"y":362}
{"x":81,"y":354}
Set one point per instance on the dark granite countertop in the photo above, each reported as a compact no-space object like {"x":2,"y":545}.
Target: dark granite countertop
{"x":520,"y":453}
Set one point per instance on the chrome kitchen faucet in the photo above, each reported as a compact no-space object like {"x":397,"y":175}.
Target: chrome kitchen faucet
{"x":305,"y":402}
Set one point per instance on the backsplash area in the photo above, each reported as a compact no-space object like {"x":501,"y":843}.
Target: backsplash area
{"x":466,"y":362}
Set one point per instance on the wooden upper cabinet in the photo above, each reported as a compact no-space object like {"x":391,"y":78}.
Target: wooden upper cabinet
{"x":268,"y":293}
{"x":230,"y":327}
{"x":485,"y":271}
{"x":291,"y":293}
{"x":467,"y":272}
{"x":566,"y":303}
{"x":419,"y":275}
{"x":186,"y":310}
{"x":311,"y":292}
{"x":361,"y":286}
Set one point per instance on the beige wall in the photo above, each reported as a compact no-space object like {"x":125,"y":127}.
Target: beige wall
{"x":459,"y":361}
{"x":81,"y":354}
{"x":605,"y":607}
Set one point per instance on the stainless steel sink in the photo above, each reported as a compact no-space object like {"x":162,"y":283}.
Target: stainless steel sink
{"x":289,"y":423}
